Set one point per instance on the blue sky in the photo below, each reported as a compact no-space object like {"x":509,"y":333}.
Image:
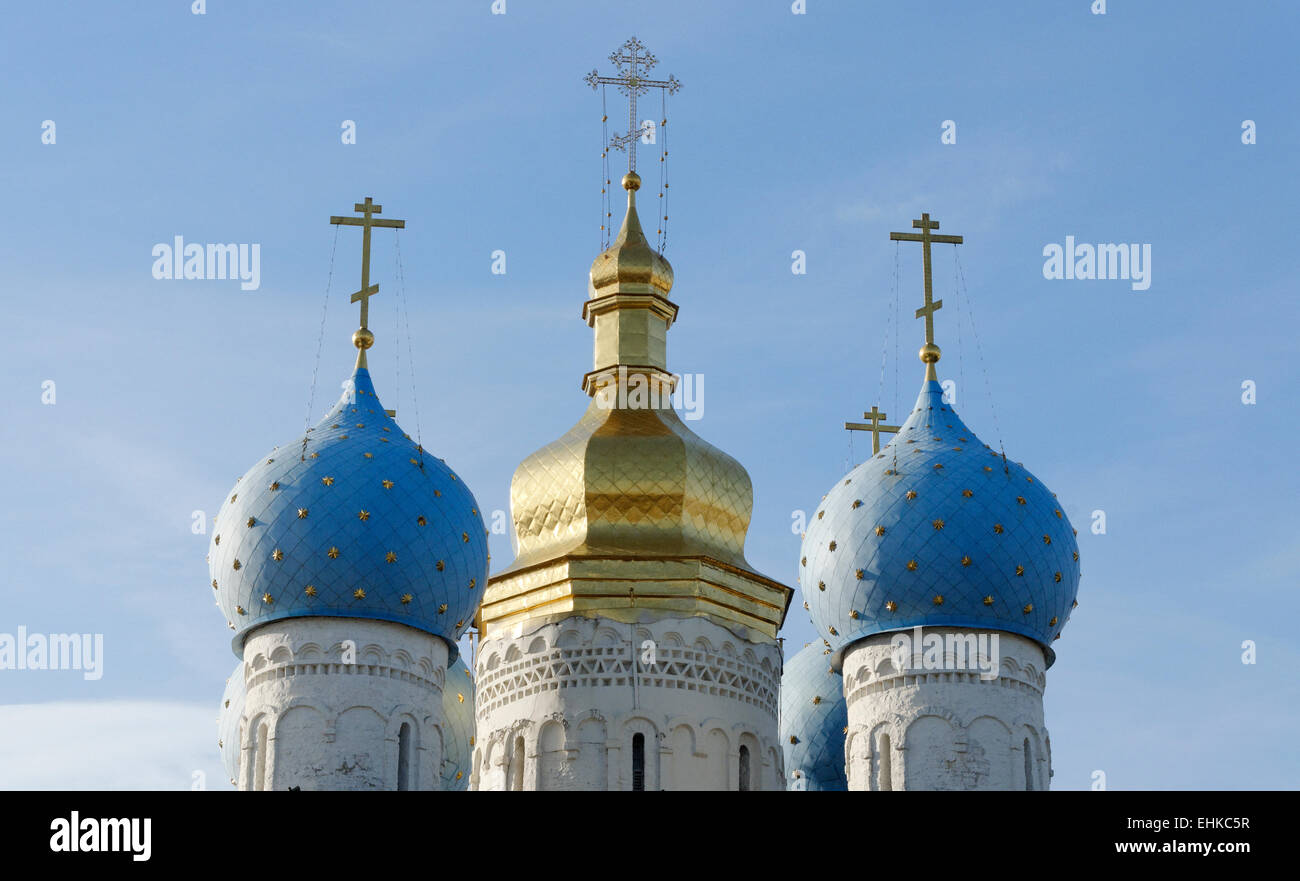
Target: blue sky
{"x":816,"y":132}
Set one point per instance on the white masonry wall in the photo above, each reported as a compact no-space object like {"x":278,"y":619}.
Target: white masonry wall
{"x":926,"y":729}
{"x":327,"y":701}
{"x":558,"y":706}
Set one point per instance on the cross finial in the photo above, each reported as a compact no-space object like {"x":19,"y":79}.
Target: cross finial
{"x":875,"y":427}
{"x":363,"y":338}
{"x":929,"y":352}
{"x":632,"y":62}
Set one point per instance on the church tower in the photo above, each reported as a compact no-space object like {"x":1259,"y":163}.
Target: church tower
{"x":348,"y":564}
{"x":940,"y":573}
{"x":630,"y":645}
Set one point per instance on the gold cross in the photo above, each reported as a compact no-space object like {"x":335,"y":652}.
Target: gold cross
{"x":925,"y":224}
{"x":369,"y":209}
{"x":875,"y":427}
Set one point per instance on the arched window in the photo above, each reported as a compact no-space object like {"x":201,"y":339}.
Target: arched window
{"x":404,"y":757}
{"x":638,"y":762}
{"x":259,"y":772}
{"x":884,"y":766}
{"x":744,"y":769}
{"x":517,"y":766}
{"x":1029,"y":767}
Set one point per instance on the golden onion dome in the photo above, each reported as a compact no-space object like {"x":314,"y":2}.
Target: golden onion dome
{"x":630,"y":265}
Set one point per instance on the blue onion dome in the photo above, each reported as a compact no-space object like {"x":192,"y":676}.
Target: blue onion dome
{"x":938,"y":529}
{"x":355,"y":521}
{"x":232,"y":707}
{"x":813,"y":718}
{"x":457,"y":726}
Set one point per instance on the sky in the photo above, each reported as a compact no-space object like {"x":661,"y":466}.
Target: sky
{"x":816,"y":133}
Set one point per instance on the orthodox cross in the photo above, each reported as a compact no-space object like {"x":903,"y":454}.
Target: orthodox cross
{"x":875,"y":427}
{"x":369,"y":209}
{"x":632,"y":62}
{"x":925,"y":224}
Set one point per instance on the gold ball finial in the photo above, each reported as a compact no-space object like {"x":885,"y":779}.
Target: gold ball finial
{"x":929,"y":353}
{"x":632,"y":181}
{"x":362,"y":338}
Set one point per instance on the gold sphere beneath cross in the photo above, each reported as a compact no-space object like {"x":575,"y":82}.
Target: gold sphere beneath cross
{"x":929,"y":353}
{"x":362,"y":338}
{"x":631,"y":181}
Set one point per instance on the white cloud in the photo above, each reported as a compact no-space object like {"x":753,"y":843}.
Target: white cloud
{"x":109,"y":745}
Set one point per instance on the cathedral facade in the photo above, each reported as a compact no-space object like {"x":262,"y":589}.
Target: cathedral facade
{"x":630,"y":645}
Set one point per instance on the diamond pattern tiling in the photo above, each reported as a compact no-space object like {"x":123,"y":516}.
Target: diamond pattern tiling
{"x":817,"y":728}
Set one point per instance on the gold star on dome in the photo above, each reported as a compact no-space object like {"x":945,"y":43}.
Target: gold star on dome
{"x":332,"y":553}
{"x":911,"y":565}
{"x":997,"y":528}
{"x":359,"y":425}
{"x":880,"y":530}
{"x":1020,"y":570}
{"x":464,"y":536}
{"x":240,"y":610}
{"x":854,"y":614}
{"x":1029,"y":607}
{"x":343,"y":437}
{"x":965,"y":561}
{"x":1057,"y":577}
{"x":441,"y":565}
{"x":472,"y":583}
{"x":328,"y":481}
{"x":793,"y":740}
{"x":217,"y":540}
{"x":1057,"y":512}
{"x":988,"y":468}
{"x":420,"y":521}
{"x":803,"y":561}
{"x":406,"y":599}
{"x":390,"y":557}
{"x":359,"y":594}
{"x":967,"y":493}
{"x":819,"y":514}
{"x":314,"y":456}
{"x":831,"y":546}
{"x":805,"y":606}
{"x":889,"y":472}
{"x":857,"y":503}
{"x":275,"y":484}
{"x":937,"y":524}
{"x":369,"y":455}
{"x":386,"y":484}
{"x":1030,"y":479}
{"x":266,"y":598}
{"x":1074,"y":605}
{"x":310,"y":590}
{"x":1076,"y":556}
{"x":988,"y":600}
{"x":821,"y":585}
{"x":237,"y":564}
{"x":833,"y":631}
{"x":1047,"y":539}
{"x":460,"y":623}
{"x":891,"y":606}
{"x":302,"y":513}
{"x":911,"y":493}
{"x":1052,"y":623}
{"x":214,"y":584}
{"x":232,"y":498}
{"x":437,"y":493}
{"x":252,"y":521}
{"x":938,"y":599}
{"x":938,"y":466}
{"x":277,"y":555}
{"x":363,"y":515}
{"x":817,"y":700}
{"x":1021,"y":500}
{"x":859,"y":574}
{"x":442,"y":608}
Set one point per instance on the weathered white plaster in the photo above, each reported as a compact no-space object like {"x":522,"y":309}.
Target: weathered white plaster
{"x":558,"y":706}
{"x":924,"y":729}
{"x":334,"y":725}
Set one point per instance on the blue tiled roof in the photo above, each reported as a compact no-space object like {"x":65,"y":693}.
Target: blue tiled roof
{"x":360,"y":508}
{"x":458,"y":726}
{"x":814,"y":714}
{"x":937,"y":529}
{"x":232,"y":707}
